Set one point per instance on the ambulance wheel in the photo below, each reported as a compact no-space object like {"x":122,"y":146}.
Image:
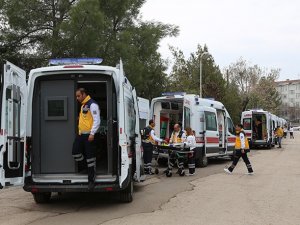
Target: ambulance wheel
{"x":169,"y":173}
{"x":126,"y":195}
{"x":202,"y":161}
{"x":41,"y":198}
{"x":156,"y":171}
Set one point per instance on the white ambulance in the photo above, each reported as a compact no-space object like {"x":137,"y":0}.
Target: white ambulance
{"x":39,"y":123}
{"x":214,"y":130}
{"x":259,"y":126}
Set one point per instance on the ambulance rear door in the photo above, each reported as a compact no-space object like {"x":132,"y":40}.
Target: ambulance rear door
{"x":13,"y":124}
{"x":123,"y":142}
{"x":138,"y":141}
{"x":211,"y":132}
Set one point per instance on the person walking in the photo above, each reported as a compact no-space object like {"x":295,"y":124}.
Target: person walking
{"x":84,"y":146}
{"x":148,"y":140}
{"x":241,"y":149}
{"x":279,"y":135}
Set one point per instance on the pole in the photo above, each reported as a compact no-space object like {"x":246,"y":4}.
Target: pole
{"x":200,"y":77}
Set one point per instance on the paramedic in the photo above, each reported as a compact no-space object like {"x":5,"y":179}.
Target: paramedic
{"x":84,"y":146}
{"x":148,"y":141}
{"x":178,"y":136}
{"x":279,"y":134}
{"x":241,"y":149}
{"x":191,"y":143}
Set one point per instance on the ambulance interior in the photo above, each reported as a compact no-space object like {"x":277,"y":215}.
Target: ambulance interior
{"x":55,"y":124}
{"x":166,"y":114}
{"x":259,"y":126}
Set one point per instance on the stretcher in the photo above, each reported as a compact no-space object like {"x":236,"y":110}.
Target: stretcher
{"x":165,"y":152}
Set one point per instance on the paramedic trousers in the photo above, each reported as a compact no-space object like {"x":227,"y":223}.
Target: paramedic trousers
{"x":180,"y":157}
{"x":279,"y":141}
{"x":84,"y":149}
{"x":148,"y":152}
{"x":237,"y":156}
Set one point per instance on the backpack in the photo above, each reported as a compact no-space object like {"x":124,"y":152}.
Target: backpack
{"x":146,"y":133}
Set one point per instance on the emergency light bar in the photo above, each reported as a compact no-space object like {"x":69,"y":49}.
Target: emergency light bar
{"x":76,"y":61}
{"x":173,"y":93}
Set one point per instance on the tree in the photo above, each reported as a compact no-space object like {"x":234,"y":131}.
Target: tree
{"x":256,"y":86}
{"x":36,"y":30}
{"x":185,"y":74}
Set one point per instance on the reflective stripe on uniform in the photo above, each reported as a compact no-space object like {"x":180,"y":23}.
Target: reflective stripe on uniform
{"x":91,"y":164}
{"x":191,"y":166}
{"x":91,"y":160}
{"x":78,"y":157}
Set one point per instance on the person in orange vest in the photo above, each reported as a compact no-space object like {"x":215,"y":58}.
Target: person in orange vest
{"x":149,"y":139}
{"x":84,"y":146}
{"x":279,"y":134}
{"x":178,"y":136}
{"x":241,"y":149}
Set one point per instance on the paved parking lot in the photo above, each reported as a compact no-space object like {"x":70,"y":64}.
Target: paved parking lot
{"x":271,"y":196}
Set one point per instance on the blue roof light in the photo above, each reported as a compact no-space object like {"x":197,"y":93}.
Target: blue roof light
{"x":173,"y":93}
{"x":81,"y":61}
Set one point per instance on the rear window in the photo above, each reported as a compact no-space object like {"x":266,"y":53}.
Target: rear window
{"x":211,"y":121}
{"x":247,"y":124}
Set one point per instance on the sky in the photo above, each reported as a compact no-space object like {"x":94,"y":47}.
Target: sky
{"x":263,"y":32}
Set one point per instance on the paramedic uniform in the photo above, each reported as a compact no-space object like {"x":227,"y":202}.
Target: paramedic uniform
{"x":89,"y":123}
{"x":148,"y":148}
{"x":176,"y":138}
{"x":241,"y":143}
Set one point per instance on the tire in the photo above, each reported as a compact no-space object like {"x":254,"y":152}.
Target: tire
{"x":41,"y":198}
{"x":169,"y":173}
{"x":202,"y":161}
{"x":126,"y":195}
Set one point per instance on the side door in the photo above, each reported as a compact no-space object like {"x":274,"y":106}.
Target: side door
{"x":13,"y":125}
{"x":138,"y":141}
{"x":211,"y":135}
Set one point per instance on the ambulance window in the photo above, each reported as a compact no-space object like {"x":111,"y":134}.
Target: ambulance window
{"x":211,"y":121}
{"x":56,"y":108}
{"x":247,"y":123}
{"x":174,"y":106}
{"x":231,"y":128}
{"x":165,"y":105}
{"x":187,"y":117}
{"x":129,"y":117}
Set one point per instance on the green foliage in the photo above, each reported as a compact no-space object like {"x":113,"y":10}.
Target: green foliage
{"x":255,"y":86}
{"x":36,"y":30}
{"x":185,"y":75}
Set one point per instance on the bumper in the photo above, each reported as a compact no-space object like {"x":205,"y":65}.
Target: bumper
{"x":34,"y":188}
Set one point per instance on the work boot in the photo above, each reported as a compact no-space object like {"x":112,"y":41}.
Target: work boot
{"x":168,"y":172}
{"x":91,"y":185}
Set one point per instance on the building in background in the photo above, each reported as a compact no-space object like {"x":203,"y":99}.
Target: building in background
{"x":290,"y":97}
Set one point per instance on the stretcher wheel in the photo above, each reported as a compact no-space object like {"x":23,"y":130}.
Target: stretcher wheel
{"x":169,"y":174}
{"x":156,"y":171}
{"x":181,"y":173}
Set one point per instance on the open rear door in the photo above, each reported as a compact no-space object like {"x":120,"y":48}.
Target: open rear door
{"x":138,"y":141}
{"x":13,"y":125}
{"x":211,"y":136}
